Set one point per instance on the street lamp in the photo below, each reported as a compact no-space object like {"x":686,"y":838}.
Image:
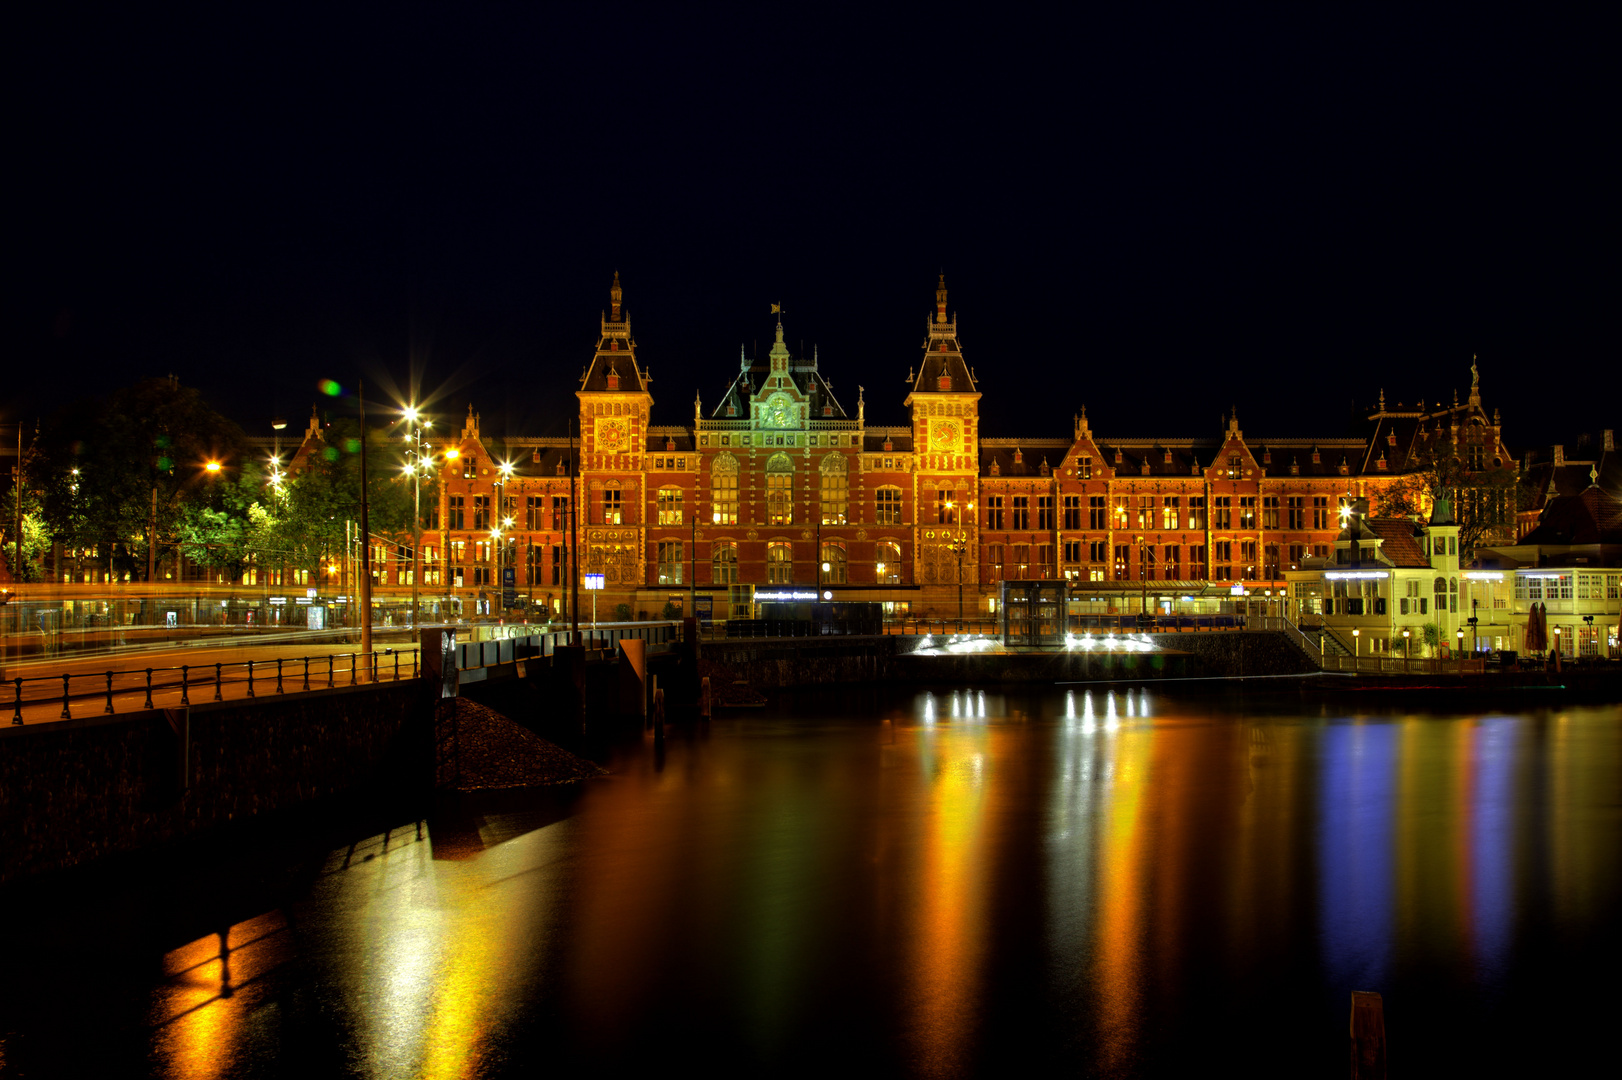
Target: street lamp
{"x":1357,"y":647}
{"x":1405,"y":635}
{"x":414,"y":436}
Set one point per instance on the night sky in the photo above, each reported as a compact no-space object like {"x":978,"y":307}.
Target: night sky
{"x":1156,"y":219}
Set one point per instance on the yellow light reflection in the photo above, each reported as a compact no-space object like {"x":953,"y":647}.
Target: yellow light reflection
{"x":950,"y":945}
{"x":1122,"y":888}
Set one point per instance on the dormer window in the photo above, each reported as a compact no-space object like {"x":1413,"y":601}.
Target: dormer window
{"x":945,"y":381}
{"x":1267,"y":457}
{"x":613,"y":381}
{"x":1168,"y":455}
{"x":1118,"y":457}
{"x":1295,"y":467}
{"x":888,"y":446}
{"x":827,"y":410}
{"x":1317,"y":459}
{"x":996,"y":470}
{"x":1019,"y":456}
{"x":1045,"y":469}
{"x":1381,"y":464}
{"x":1391,"y":439}
{"x":732,"y":410}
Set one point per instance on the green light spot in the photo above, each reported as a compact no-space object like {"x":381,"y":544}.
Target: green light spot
{"x":329,"y":387}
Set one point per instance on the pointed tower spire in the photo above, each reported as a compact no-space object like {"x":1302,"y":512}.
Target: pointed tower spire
{"x":940,"y":299}
{"x":615,"y":295}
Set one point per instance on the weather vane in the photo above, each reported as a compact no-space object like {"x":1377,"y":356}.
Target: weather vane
{"x":777,"y":309}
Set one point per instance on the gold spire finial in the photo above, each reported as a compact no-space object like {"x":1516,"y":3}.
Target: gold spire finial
{"x":615,"y":293}
{"x":940,"y":299}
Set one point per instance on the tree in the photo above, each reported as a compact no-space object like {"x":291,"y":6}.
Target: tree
{"x":1484,"y":501}
{"x":310,"y":517}
{"x":108,"y":467}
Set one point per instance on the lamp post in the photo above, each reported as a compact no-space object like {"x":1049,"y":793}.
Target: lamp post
{"x":1405,"y":638}
{"x":414,"y":437}
{"x":1357,"y":646}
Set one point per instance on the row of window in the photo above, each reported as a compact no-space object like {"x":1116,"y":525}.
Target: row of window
{"x":833,"y":565}
{"x":1559,"y":586}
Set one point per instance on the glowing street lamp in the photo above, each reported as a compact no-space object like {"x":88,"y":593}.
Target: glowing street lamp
{"x":212,"y":466}
{"x":1356,"y":645}
{"x":1405,"y":636}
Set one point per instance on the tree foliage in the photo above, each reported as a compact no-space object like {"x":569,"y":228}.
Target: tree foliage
{"x":1484,"y":501}
{"x":109,"y":466}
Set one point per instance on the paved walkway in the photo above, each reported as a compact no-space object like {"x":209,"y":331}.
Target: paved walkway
{"x":88,"y":682}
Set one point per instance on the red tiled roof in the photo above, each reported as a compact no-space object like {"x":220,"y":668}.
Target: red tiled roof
{"x":1401,"y":540}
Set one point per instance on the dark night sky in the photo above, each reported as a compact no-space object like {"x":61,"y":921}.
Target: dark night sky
{"x":1155,"y":218}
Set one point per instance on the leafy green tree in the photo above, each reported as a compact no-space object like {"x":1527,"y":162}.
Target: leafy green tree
{"x":109,"y":467}
{"x":310,"y":516}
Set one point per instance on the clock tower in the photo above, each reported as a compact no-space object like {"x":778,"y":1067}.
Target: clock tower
{"x":945,"y":406}
{"x":614,"y":409}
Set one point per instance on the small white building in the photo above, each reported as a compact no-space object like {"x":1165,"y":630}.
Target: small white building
{"x":1571,"y":564}
{"x":1385,"y":576}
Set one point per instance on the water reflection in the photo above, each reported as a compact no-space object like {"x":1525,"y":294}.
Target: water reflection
{"x":1111,"y":880}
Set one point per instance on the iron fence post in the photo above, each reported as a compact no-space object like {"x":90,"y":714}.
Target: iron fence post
{"x":329,"y":671}
{"x":66,"y":715}
{"x":217,"y":683}
{"x":17,"y":706}
{"x":148,"y":704}
{"x":184,"y":689}
{"x":306,"y":673}
{"x":250,"y":679}
{"x":109,"y":692}
{"x":279,"y":689}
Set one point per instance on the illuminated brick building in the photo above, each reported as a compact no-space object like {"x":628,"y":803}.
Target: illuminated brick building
{"x":781,"y":483}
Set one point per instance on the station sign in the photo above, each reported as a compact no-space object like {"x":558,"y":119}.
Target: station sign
{"x":787,"y":594}
{"x":592,"y":581}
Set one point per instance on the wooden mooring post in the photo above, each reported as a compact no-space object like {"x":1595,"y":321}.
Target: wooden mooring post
{"x":1368,"y":1036}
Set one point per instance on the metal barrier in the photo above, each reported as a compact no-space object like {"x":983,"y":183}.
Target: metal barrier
{"x":103,"y":684}
{"x":477,"y":655}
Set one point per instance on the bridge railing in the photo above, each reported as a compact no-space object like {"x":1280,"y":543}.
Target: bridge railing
{"x":477,"y":655}
{"x":281,"y":675}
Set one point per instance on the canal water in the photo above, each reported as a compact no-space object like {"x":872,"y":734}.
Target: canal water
{"x":956,"y":882}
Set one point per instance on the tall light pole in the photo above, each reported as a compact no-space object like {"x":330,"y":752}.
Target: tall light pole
{"x":365,"y":534}
{"x":414,"y":436}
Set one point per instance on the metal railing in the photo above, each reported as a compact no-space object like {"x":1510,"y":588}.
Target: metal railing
{"x":283,"y":675}
{"x":475,"y":655}
{"x":1397,"y":665}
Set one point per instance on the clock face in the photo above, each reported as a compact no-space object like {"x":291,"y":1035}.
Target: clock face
{"x":611,"y":435}
{"x":943,"y":435}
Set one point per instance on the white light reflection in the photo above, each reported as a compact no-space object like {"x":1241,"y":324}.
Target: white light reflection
{"x":982,"y":704}
{"x":1088,"y":723}
{"x":1070,"y":705}
{"x":929,"y":709}
{"x":1112,"y":722}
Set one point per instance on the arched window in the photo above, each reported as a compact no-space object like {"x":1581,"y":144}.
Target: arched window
{"x":1453,"y":595}
{"x":835,"y":489}
{"x":724,"y":490}
{"x":780,"y":490}
{"x":833,"y":563}
{"x":724,"y":563}
{"x":780,"y":562}
{"x":887,"y":562}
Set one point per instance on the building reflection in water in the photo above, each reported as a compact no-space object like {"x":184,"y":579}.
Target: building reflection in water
{"x":781,"y":872}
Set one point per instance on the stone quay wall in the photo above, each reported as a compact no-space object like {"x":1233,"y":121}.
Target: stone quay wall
{"x":782,"y":663}
{"x":79,"y":790}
